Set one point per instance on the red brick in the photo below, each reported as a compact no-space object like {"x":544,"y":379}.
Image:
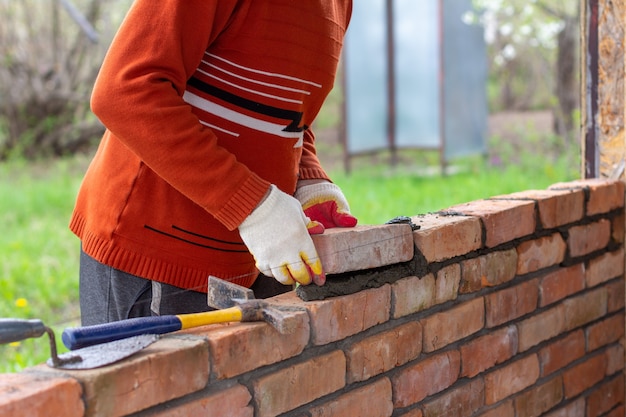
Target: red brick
{"x":605,"y":332}
{"x":364,"y":247}
{"x":172,"y":367}
{"x":616,"y":296}
{"x":339,"y":317}
{"x":488,"y":350}
{"x":508,"y":304}
{"x":562,"y":352}
{"x":412,"y":413}
{"x":502,"y":410}
{"x":453,"y":324}
{"x":604,"y":195}
{"x":236,"y":349}
{"x":442,"y":237}
{"x":584,"y":375}
{"x":296,"y":385}
{"x":615,"y":359}
{"x":233,"y":402}
{"x":384,"y":351}
{"x":371,"y":400}
{"x":458,"y":402}
{"x":511,"y":379}
{"x":588,"y":238}
{"x":574,"y":409}
{"x":411,"y":295}
{"x":561,"y":283}
{"x":617,"y":412}
{"x":489,"y":270}
{"x":447,"y":283}
{"x":605,"y":267}
{"x":537,"y":254}
{"x":556,"y":207}
{"x":605,"y":397}
{"x":427,"y":377}
{"x":539,"y":399}
{"x":541,"y":327}
{"x":585,"y":308}
{"x":503,"y":220}
{"x":618,"y":226}
{"x":26,"y":395}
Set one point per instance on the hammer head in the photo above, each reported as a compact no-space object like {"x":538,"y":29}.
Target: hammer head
{"x":223,"y":294}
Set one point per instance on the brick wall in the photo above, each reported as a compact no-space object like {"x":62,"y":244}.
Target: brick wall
{"x":506,"y":307}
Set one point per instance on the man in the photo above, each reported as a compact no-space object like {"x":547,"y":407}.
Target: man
{"x":208,"y":163}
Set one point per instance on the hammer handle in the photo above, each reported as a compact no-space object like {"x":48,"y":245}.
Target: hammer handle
{"x":80,"y":337}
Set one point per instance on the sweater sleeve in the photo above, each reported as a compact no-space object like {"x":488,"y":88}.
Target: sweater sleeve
{"x":138,"y":97}
{"x":310,"y":166}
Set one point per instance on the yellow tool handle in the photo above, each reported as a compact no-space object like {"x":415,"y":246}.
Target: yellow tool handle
{"x":226,"y":315}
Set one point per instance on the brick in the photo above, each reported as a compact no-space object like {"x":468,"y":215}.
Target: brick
{"x":588,"y":238}
{"x":605,"y":397}
{"x":489,"y":270}
{"x":442,"y":237}
{"x":605,"y":332}
{"x":412,"y":413}
{"x":508,"y":304}
{"x":240,"y":348}
{"x":364,"y":247}
{"x":617,"y":412}
{"x":584,"y":375}
{"x":26,"y":395}
{"x":616,"y":294}
{"x":458,"y":402}
{"x":502,"y":410}
{"x":561,"y":283}
{"x":618,"y":227}
{"x":574,"y":409}
{"x":562,"y":352}
{"x":339,"y":317}
{"x":585,"y":308}
{"x":172,"y":367}
{"x":453,"y":324}
{"x":383,"y":352}
{"x":615,"y":359}
{"x":503,"y":220}
{"x":371,"y":400}
{"x":556,"y":207}
{"x":299,"y":384}
{"x":511,"y":379}
{"x":605,"y":267}
{"x":537,"y":254}
{"x":447,"y":283}
{"x":427,"y":377}
{"x":539,"y":399}
{"x":541,"y":327}
{"x":604,"y":195}
{"x":411,"y":295}
{"x":233,"y":401}
{"x":489,"y":350}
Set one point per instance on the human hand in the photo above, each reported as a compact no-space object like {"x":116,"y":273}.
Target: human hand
{"x":325,"y":203}
{"x":277,"y":234}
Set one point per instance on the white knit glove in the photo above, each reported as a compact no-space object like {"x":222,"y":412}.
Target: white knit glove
{"x":277,"y":235}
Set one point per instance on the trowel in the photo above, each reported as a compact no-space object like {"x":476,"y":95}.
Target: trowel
{"x":16,"y":330}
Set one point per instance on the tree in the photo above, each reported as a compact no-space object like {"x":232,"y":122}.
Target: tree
{"x":534,"y":48}
{"x":50,"y":59}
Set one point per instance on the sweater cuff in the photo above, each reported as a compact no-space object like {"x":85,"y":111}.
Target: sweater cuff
{"x":243,"y":202}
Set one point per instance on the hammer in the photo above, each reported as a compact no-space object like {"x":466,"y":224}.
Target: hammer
{"x":235,"y":304}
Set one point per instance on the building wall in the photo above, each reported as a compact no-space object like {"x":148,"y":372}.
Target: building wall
{"x":508,"y":307}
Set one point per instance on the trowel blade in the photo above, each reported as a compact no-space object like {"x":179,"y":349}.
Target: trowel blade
{"x":103,"y":354}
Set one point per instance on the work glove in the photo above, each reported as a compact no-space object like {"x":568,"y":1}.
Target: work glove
{"x":277,"y":235}
{"x":325,"y":203}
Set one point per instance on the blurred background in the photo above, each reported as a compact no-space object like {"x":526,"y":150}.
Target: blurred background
{"x":437,"y":102}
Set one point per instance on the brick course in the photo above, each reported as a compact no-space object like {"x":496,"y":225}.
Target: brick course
{"x":525,"y":320}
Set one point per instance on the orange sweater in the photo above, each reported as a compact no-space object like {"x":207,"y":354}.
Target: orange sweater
{"x":206,"y":102}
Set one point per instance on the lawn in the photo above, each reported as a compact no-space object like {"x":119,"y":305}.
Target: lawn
{"x":39,"y":255}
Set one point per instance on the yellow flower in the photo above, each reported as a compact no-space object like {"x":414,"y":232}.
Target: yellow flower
{"x":14,"y":344}
{"x":21,"y":302}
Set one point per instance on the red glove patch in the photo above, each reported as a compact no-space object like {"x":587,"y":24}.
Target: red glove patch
{"x":327,"y":214}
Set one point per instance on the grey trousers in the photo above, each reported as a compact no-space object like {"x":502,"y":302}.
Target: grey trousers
{"x":108,"y":294}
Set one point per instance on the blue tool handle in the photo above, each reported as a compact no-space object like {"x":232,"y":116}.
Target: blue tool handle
{"x":80,"y":337}
{"x":15,"y":330}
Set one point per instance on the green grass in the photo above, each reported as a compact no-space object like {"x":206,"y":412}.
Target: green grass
{"x":39,"y":255}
